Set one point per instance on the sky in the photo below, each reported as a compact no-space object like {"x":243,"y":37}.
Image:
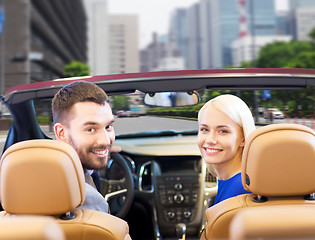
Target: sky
{"x":154,"y":15}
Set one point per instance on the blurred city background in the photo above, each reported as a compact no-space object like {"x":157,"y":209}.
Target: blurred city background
{"x":47,"y":39}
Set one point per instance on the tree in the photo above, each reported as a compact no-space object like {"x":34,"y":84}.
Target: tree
{"x":303,"y":60}
{"x":246,"y":95}
{"x":312,"y":35}
{"x":76,"y":69}
{"x":120,"y":103}
{"x":280,"y":54}
{"x":213,"y":93}
{"x":294,"y":54}
{"x":247,"y":64}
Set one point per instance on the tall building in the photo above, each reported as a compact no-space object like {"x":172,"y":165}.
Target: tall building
{"x":151,"y":55}
{"x":39,"y":38}
{"x":261,"y":17}
{"x":219,"y":26}
{"x":161,"y":55}
{"x":293,"y":4}
{"x":259,"y":20}
{"x":212,"y":26}
{"x":97,"y":15}
{"x":207,"y":27}
{"x":305,"y":22}
{"x":282,"y":20}
{"x":242,"y":49}
{"x":301,"y":18}
{"x":170,"y":57}
{"x":123,"y":44}
{"x":193,"y":37}
{"x":178,"y":31}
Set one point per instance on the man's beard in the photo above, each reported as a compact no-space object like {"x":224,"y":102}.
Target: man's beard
{"x":84,"y":156}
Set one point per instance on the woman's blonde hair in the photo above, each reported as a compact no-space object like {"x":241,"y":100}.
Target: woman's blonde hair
{"x":236,"y":109}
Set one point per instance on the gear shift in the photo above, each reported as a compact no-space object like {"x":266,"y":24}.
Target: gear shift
{"x":181,"y":231}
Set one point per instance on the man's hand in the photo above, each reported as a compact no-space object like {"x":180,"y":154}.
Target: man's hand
{"x":116,"y":149}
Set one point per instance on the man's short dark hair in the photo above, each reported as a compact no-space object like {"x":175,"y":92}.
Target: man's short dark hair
{"x":72,"y":93}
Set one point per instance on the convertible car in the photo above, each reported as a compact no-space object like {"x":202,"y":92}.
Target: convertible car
{"x":158,"y":183}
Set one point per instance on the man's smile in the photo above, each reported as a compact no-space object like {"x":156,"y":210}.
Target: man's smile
{"x":101,"y":153}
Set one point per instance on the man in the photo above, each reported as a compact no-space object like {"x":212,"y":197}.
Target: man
{"x":83,"y":118}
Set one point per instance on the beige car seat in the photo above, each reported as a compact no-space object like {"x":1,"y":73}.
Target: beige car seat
{"x":274,"y":222}
{"x":277,"y":167}
{"x":30,"y":228}
{"x":45,"y":177}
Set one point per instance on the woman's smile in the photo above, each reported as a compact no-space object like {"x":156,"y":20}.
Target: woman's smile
{"x":212,"y":151}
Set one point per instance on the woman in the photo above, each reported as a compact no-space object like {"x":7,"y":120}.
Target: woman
{"x":224,"y":124}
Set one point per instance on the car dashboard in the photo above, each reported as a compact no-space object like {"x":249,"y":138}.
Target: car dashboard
{"x":172,"y":179}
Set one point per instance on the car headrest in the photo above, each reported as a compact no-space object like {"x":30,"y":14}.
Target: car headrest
{"x":279,"y":160}
{"x":41,"y":177}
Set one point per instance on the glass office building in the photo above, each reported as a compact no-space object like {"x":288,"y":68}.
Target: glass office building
{"x":260,"y":21}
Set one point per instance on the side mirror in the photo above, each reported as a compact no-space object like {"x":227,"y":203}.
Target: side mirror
{"x":171,"y":99}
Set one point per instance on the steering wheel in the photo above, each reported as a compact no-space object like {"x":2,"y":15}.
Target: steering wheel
{"x":120,"y":193}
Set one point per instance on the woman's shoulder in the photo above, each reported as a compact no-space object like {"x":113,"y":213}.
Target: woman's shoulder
{"x":235,"y":178}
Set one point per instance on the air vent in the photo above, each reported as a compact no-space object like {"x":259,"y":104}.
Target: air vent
{"x":145,"y":178}
{"x":210,"y":180}
{"x":210,"y":177}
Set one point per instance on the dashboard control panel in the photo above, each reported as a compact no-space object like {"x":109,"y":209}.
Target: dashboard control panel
{"x":177,"y":197}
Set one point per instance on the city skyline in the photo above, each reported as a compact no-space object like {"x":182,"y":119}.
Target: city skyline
{"x":158,"y":19}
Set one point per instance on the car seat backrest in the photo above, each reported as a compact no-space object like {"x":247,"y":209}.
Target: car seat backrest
{"x":41,"y":177}
{"x":274,"y":222}
{"x":279,"y":160}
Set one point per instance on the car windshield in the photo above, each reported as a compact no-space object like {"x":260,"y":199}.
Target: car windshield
{"x":133,"y":116}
